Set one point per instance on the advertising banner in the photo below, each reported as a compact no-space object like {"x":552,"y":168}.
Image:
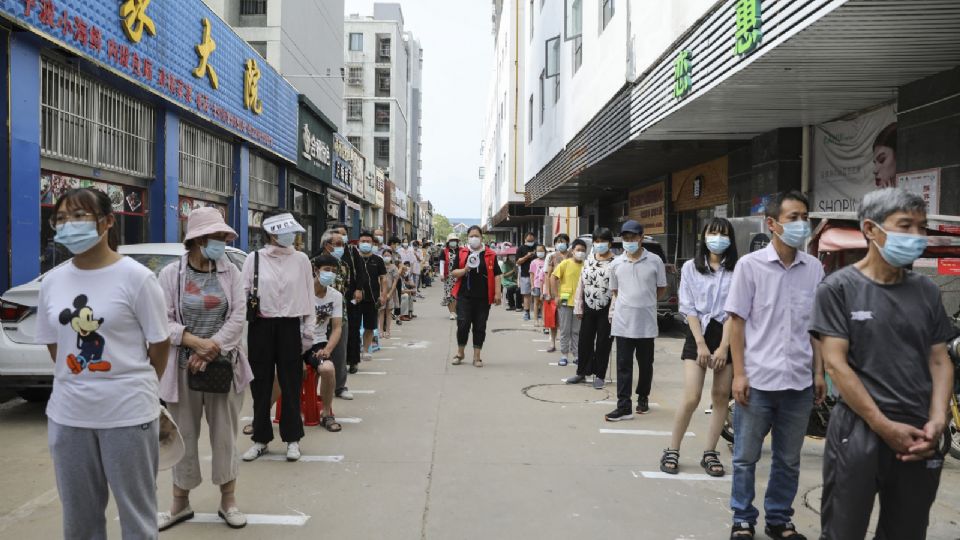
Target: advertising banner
{"x":126,"y":200}
{"x":852,"y":158}
{"x":647,"y":208}
{"x":180,"y":51}
{"x":923,"y":183}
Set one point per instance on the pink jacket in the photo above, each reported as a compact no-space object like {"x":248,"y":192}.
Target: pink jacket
{"x":286,"y":288}
{"x":230,"y":336}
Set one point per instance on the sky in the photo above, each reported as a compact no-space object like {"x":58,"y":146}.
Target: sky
{"x":457,"y":58}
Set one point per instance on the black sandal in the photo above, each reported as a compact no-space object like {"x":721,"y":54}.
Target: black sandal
{"x":330,"y":424}
{"x":777,"y":532}
{"x":670,"y":461}
{"x":711,"y":463}
{"x":738,"y":528}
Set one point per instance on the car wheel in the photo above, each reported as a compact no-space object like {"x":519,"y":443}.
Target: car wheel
{"x":35,"y":395}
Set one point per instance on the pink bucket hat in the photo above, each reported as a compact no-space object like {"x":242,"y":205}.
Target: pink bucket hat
{"x":207,"y":220}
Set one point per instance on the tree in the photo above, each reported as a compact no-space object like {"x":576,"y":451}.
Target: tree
{"x":441,"y":228}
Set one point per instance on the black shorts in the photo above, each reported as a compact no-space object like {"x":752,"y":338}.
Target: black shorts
{"x":713,"y":335}
{"x":367,"y":313}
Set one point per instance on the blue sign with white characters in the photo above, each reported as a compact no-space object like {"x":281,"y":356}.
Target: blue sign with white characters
{"x":180,"y":50}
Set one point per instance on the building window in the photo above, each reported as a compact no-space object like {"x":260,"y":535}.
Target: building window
{"x":356,"y":41}
{"x":354,"y":109}
{"x":531,"y":20}
{"x":552,"y":60}
{"x":86,"y":122}
{"x":577,"y":54}
{"x":530,"y":120}
{"x":260,"y":47}
{"x":264,"y":180}
{"x":383,"y":82}
{"x":253,"y":7}
{"x":206,"y":161}
{"x":383,"y":49}
{"x":355,"y":76}
{"x":381,"y":151}
{"x":543,"y":102}
{"x":355,"y":141}
{"x":381,"y":116}
{"x":606,"y":13}
{"x":572,"y":19}
{"x":556,"y":90}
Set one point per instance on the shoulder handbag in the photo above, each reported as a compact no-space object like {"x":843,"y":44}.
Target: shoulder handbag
{"x":253,"y":296}
{"x":217,"y":376}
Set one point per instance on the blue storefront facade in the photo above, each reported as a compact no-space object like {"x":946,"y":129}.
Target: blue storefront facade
{"x":159,"y":104}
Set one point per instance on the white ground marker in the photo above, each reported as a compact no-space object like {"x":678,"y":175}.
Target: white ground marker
{"x":684,"y":476}
{"x":383,"y":359}
{"x":349,"y":420}
{"x":363,"y":391}
{"x":255,"y":519}
{"x":647,"y":432}
{"x":370,"y":373}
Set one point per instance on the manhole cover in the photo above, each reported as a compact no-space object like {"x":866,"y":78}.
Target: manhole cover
{"x":498,"y":330}
{"x":565,"y":393}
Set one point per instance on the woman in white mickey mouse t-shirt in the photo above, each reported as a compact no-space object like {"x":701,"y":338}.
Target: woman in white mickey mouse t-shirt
{"x":96,"y":315}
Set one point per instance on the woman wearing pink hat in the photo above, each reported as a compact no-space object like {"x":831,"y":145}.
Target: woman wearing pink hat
{"x":206,"y":310}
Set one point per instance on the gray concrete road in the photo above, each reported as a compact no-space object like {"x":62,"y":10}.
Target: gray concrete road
{"x":455,"y":452}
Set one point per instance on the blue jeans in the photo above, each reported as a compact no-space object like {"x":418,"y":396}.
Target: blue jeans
{"x":786,"y":412}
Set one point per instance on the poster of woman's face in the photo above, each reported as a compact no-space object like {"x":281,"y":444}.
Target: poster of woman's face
{"x":885,"y":157}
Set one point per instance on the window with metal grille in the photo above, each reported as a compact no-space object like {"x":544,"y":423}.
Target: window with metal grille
{"x":206,"y":161}
{"x":381,"y":151}
{"x":253,"y":7}
{"x":260,"y":47}
{"x":355,"y":141}
{"x":86,"y":122}
{"x":354,"y":109}
{"x":383,"y":49}
{"x":607,"y":9}
{"x":355,"y":76}
{"x":264,"y":180}
{"x":383,"y":83}
{"x":381,"y":114}
{"x":577,"y":54}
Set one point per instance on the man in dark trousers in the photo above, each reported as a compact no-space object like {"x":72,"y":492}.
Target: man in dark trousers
{"x":352,"y":297}
{"x":883,"y":332}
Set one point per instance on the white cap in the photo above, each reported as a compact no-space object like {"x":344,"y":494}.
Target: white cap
{"x":281,"y":224}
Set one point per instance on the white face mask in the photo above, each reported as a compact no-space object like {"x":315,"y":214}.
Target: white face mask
{"x":475,"y":242}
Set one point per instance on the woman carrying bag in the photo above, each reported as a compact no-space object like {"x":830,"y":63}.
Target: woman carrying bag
{"x":207,"y":371}
{"x":447,"y":265}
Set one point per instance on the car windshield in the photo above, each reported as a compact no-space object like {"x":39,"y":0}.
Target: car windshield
{"x":153,"y":261}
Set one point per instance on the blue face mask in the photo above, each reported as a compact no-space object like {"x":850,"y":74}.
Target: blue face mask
{"x":717,"y":244}
{"x":541,"y":254}
{"x":326,"y":278}
{"x":795,"y":233}
{"x":901,"y":249}
{"x":77,"y":236}
{"x":631,"y":247}
{"x":561,"y":247}
{"x":214,"y":249}
{"x":338,"y":251}
{"x":365,"y":247}
{"x":286,"y":239}
{"x":601,"y":248}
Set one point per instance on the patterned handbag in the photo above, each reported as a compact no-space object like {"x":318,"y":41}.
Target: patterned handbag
{"x":216,"y":378}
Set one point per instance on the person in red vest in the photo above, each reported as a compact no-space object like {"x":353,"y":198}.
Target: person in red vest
{"x":476,"y":289}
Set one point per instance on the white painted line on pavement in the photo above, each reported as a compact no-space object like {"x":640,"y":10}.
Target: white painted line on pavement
{"x":12,"y":403}
{"x":643,"y":432}
{"x":254,"y":519}
{"x":349,"y":420}
{"x":383,"y":359}
{"x":390,"y":347}
{"x":29,"y":507}
{"x":540,"y":340}
{"x":370,"y":373}
{"x":308,"y":459}
{"x":363,"y":391}
{"x":684,"y":476}
{"x":614,"y":403}
{"x":542,"y":350}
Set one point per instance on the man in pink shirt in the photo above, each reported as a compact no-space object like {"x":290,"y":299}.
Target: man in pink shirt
{"x":775,"y":370}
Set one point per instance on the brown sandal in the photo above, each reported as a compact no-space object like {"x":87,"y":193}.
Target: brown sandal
{"x":330,"y":424}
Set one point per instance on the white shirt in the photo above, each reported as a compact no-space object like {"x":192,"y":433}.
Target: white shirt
{"x":634,"y":312}
{"x":101,"y":321}
{"x":328,"y":306}
{"x":704,"y":295}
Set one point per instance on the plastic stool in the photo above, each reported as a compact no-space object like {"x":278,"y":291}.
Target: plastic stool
{"x":311,"y":405}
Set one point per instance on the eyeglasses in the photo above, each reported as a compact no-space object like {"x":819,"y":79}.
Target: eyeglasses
{"x":77,"y":215}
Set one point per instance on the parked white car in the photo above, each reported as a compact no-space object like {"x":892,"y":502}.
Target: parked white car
{"x":26,"y":367}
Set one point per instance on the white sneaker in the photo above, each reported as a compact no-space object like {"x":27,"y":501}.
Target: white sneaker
{"x":366,"y":357}
{"x":293,"y":451}
{"x":255,"y":451}
{"x":453,"y":317}
{"x":346,"y":394}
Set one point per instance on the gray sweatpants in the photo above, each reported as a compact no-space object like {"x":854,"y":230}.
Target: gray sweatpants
{"x":569,"y":329}
{"x":87,"y":461}
{"x":339,"y":357}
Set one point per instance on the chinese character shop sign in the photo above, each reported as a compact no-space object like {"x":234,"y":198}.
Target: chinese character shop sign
{"x":181,"y":51}
{"x":748,"y":34}
{"x":682,"y":81}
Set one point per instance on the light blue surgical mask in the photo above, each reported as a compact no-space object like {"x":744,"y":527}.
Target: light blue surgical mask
{"x":214,"y":249}
{"x":326,"y":278}
{"x":601,"y":248}
{"x":338,"y":251}
{"x":286,"y":239}
{"x":378,"y":238}
{"x":561,"y":247}
{"x":365,"y":247}
{"x":717,"y":244}
{"x":541,"y":254}
{"x":901,"y":249}
{"x":795,"y":233}
{"x":77,"y":236}
{"x":631,"y":247}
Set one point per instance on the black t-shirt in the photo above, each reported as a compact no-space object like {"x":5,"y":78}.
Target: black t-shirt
{"x":522,"y":251}
{"x":890,"y":330}
{"x":368,"y":276}
{"x":474,"y":284}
